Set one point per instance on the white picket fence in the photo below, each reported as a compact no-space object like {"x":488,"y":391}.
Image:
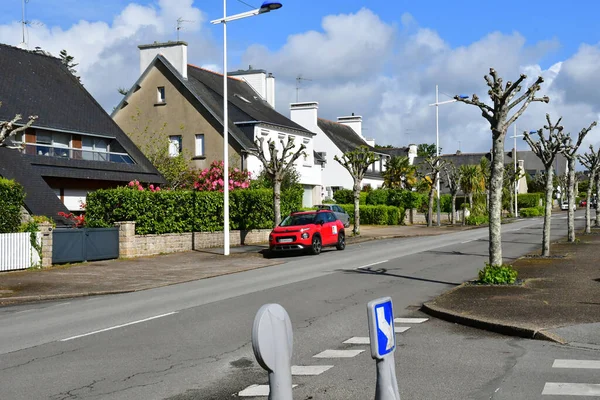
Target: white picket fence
{"x":16,"y":251}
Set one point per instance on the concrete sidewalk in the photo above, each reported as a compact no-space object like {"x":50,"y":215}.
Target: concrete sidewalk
{"x":558,"y":300}
{"x":129,"y":275}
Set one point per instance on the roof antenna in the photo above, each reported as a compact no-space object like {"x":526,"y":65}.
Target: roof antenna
{"x":24,"y":24}
{"x":299,"y":80}
{"x":180,"y":21}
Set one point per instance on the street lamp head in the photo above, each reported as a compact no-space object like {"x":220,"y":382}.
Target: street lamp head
{"x":463,"y":96}
{"x":269,"y":5}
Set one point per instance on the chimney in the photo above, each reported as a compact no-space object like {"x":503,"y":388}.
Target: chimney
{"x":305,"y":114}
{"x":412,"y":153}
{"x":354,"y":122}
{"x":174,"y":52}
{"x":271,"y":90}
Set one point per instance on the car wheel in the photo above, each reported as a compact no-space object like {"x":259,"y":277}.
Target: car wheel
{"x":316,"y":246}
{"x":341,"y":243}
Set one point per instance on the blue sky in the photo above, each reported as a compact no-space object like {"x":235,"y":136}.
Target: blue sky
{"x":458,"y":22}
{"x":380,"y":58}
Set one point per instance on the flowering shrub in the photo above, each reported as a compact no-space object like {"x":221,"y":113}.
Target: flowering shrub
{"x":211,"y":179}
{"x":79,"y":220}
{"x":137,"y":185}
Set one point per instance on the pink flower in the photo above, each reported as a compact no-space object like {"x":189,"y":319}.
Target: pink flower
{"x":151,"y":187}
{"x":157,"y":189}
{"x":130,"y":184}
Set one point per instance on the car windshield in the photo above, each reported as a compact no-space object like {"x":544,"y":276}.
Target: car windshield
{"x":298,"y":219}
{"x":323,"y":207}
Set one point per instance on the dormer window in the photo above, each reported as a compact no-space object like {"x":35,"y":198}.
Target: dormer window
{"x":160,"y":95}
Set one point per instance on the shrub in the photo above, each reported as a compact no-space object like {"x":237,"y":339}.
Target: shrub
{"x":477,"y":219}
{"x":378,"y":197}
{"x":531,"y":212}
{"x":446,"y":203}
{"x":343,"y":196}
{"x":528,"y":200}
{"x":362,"y":200}
{"x":11,"y":201}
{"x":211,"y":178}
{"x":498,"y":274}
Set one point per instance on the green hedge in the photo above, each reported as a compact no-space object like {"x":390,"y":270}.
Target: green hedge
{"x":376,"y":215}
{"x":11,"y":201}
{"x":186,"y":211}
{"x":477,"y":220}
{"x":529,"y":200}
{"x":343,"y":196}
{"x":378,"y":197}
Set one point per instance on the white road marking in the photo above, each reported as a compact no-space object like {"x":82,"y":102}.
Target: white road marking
{"x":401,"y":329}
{"x":468,"y":241}
{"x":410,"y":320}
{"x":256,"y":391}
{"x":311,"y":370}
{"x":358,"y":340}
{"x":118,"y":326}
{"x":591,"y":364}
{"x":338,"y":354}
{"x":375,"y":263}
{"x":571,"y":389}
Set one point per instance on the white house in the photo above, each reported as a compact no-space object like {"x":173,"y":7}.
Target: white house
{"x":334,"y":139}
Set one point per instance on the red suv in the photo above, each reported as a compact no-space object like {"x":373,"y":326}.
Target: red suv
{"x":310,"y":230}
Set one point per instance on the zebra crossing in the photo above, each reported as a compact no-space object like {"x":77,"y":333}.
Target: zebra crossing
{"x":573,"y":389}
{"x":255,"y":391}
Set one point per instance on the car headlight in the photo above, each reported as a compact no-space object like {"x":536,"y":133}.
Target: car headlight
{"x":305,"y":235}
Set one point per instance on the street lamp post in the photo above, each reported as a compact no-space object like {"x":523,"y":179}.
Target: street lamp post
{"x":515,"y":136}
{"x":264,"y":8}
{"x":437,"y":142}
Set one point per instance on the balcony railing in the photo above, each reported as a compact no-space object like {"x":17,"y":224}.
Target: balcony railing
{"x":75,"y":154}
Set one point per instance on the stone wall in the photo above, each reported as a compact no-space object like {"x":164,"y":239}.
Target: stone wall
{"x":132,"y":245}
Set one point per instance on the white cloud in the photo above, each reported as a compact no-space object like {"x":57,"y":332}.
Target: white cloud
{"x":356,"y":62}
{"x":107,"y":52}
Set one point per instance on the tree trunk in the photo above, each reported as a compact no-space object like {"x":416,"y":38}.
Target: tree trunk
{"x":588,"y":211}
{"x":597,"y":199}
{"x":430,"y":208}
{"x":453,"y":217}
{"x":495,"y":207}
{"x":470,"y":201}
{"x":571,"y":199}
{"x":277,"y":200}
{"x":356,"y":188}
{"x":547,"y":213}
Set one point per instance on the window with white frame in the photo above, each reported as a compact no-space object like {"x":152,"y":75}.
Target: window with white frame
{"x":199,"y":145}
{"x":160,"y":95}
{"x":175,"y":146}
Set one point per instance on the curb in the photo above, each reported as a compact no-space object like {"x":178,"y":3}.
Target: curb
{"x":492,"y":326}
{"x":26,"y":299}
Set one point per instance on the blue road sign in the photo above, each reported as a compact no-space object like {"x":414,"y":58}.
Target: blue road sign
{"x":381,"y":327}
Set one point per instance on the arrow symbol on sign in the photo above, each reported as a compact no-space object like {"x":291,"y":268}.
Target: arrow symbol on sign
{"x":385,"y":327}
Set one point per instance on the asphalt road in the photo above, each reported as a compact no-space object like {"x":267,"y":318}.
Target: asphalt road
{"x":192,"y":341}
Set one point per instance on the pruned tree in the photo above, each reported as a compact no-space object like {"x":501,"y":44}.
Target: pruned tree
{"x":597,"y":223}
{"x":453,"y":176}
{"x":357,"y":162}
{"x":276,"y":165}
{"x":8,"y":129}
{"x":497,"y":115}
{"x":69,"y":62}
{"x":591,"y":161}
{"x":511,"y":179}
{"x":570,"y":152}
{"x":434,"y":165}
{"x":546,"y":150}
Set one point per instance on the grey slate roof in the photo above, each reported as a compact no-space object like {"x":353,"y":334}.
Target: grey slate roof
{"x":343,"y":136}
{"x":40,"y":199}
{"x":32,"y":83}
{"x":395,"y":151}
{"x":255,"y":109}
